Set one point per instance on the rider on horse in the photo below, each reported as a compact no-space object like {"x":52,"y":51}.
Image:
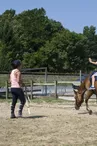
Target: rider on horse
{"x":93,"y":76}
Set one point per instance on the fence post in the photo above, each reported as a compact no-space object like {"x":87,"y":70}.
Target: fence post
{"x":56,"y":90}
{"x":31,"y":89}
{"x":46,"y":81}
{"x":80,"y":76}
{"x":6,"y":89}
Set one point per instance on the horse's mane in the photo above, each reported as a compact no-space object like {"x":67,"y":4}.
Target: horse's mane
{"x":82,"y":86}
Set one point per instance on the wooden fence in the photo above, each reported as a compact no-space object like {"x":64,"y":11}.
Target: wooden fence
{"x":32,"y":84}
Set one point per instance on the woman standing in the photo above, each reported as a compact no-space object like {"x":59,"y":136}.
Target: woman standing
{"x":16,"y":90}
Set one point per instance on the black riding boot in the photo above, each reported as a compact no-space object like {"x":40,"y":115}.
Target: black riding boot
{"x":12,"y":112}
{"x":20,"y":110}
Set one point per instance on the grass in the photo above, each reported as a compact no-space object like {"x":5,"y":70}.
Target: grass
{"x":47,"y":100}
{"x":3,"y":79}
{"x":40,"y":100}
{"x":4,"y":100}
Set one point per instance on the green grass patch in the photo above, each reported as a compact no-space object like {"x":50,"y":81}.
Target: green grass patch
{"x":4,"y":100}
{"x":48,"y":100}
{"x":39,"y":100}
{"x":3,"y":79}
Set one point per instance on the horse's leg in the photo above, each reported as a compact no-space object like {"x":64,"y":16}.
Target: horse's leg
{"x":87,"y":97}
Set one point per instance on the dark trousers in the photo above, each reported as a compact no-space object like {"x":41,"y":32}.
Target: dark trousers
{"x":17,"y":93}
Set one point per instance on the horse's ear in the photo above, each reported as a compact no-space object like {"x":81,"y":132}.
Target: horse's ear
{"x":75,"y":91}
{"x":75,"y":87}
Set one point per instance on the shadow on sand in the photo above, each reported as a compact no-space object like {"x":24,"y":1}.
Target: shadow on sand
{"x":93,"y":113}
{"x":83,"y":113}
{"x":34,"y":117}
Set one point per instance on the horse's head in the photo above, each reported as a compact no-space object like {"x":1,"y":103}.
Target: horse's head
{"x":78,"y":95}
{"x":78,"y":99}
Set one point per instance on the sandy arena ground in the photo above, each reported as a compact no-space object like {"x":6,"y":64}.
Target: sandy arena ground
{"x":49,"y":125}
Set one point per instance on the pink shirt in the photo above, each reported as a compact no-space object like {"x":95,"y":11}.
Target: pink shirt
{"x":13,"y":79}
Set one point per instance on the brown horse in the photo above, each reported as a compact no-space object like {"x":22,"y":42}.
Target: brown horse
{"x":81,"y":92}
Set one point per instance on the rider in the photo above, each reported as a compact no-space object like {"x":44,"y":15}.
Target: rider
{"x":93,"y":76}
{"x":16,"y":90}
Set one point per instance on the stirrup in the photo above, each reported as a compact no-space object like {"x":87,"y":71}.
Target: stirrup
{"x":92,"y":88}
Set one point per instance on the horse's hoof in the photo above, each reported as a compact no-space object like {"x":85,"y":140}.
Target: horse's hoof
{"x":90,"y":112}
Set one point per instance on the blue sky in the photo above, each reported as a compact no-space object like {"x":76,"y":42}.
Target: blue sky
{"x":73,"y":14}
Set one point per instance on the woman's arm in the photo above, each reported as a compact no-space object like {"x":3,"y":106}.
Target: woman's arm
{"x":90,"y":60}
{"x":18,"y":75}
{"x":19,"y":79}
